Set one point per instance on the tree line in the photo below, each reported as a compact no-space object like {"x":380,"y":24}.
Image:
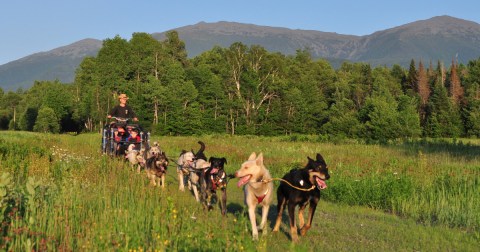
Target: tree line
{"x":248,"y":90}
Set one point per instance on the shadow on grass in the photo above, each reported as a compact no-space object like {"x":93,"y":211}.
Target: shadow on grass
{"x":455,"y":148}
{"x":240,"y":209}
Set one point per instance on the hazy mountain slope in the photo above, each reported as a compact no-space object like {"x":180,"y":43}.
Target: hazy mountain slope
{"x":203,"y":36}
{"x":439,"y":38}
{"x":59,"y":63}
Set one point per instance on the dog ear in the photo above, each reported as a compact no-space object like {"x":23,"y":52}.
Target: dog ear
{"x":320,"y":158}
{"x":224,"y":160}
{"x":259,"y":160}
{"x":253,"y":156}
{"x":210,"y":159}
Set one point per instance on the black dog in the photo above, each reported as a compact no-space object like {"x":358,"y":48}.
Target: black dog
{"x":303,"y":187}
{"x":215,"y":178}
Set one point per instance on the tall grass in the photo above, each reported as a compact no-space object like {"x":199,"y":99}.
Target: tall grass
{"x":57,"y":192}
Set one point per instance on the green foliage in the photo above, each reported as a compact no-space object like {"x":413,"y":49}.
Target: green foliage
{"x":245,"y":89}
{"x":408,"y":118}
{"x":443,"y":118}
{"x":47,"y":121}
{"x":381,"y":119}
{"x":380,"y":192}
{"x":28,"y":118}
{"x":471,"y":112}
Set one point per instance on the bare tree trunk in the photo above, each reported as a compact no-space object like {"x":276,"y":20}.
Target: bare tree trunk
{"x":216,"y":108}
{"x":14,"y":118}
{"x":232,"y":123}
{"x":156,"y":66}
{"x":155,"y":113}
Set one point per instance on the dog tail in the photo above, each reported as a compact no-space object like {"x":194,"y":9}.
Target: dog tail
{"x":200,"y":154}
{"x":202,"y":146}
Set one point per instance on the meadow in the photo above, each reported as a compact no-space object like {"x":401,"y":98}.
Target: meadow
{"x":59,"y":193}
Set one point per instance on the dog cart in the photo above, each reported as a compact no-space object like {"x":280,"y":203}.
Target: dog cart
{"x":119,"y":134}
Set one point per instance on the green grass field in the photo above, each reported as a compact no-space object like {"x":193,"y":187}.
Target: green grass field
{"x":59,"y":193}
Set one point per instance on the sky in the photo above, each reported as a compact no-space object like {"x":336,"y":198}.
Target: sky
{"x":32,"y":26}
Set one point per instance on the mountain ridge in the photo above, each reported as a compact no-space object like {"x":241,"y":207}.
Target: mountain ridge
{"x":439,"y":38}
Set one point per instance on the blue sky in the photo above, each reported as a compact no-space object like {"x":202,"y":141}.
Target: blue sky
{"x":31,"y":26}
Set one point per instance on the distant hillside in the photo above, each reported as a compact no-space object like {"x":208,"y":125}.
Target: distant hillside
{"x":59,"y":63}
{"x":439,"y":38}
{"x":203,"y":36}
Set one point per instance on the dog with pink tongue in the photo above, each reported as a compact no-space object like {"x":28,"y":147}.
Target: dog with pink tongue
{"x":258,"y":190}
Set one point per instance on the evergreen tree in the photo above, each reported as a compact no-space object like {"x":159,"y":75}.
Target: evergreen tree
{"x":342,"y":120}
{"x":471,"y":110}
{"x":423,"y":90}
{"x":380,"y":117}
{"x":398,"y":73}
{"x":422,"y":85}
{"x":455,"y":88}
{"x":408,"y":118}
{"x":443,"y":119}
{"x":409,"y":86}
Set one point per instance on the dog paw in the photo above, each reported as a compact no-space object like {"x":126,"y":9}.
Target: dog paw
{"x":303,"y":230}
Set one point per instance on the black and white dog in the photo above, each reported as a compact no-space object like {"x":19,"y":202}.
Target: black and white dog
{"x":190,"y":169}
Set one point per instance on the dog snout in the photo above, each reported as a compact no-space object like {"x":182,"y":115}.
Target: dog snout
{"x":327,"y":176}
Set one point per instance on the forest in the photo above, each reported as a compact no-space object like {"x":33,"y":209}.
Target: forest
{"x":246,"y":90}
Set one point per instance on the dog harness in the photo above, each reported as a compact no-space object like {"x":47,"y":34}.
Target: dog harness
{"x":262,"y":197}
{"x":217,"y":181}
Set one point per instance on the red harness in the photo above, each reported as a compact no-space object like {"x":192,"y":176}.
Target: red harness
{"x":216,"y":182}
{"x":261,"y":198}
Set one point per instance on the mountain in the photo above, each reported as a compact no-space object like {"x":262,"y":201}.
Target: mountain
{"x":59,"y":63}
{"x":441,"y":38}
{"x":203,"y":36}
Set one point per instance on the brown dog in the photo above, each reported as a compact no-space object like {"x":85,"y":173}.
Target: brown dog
{"x":258,"y":190}
{"x":156,"y":169}
{"x":303,"y":188}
